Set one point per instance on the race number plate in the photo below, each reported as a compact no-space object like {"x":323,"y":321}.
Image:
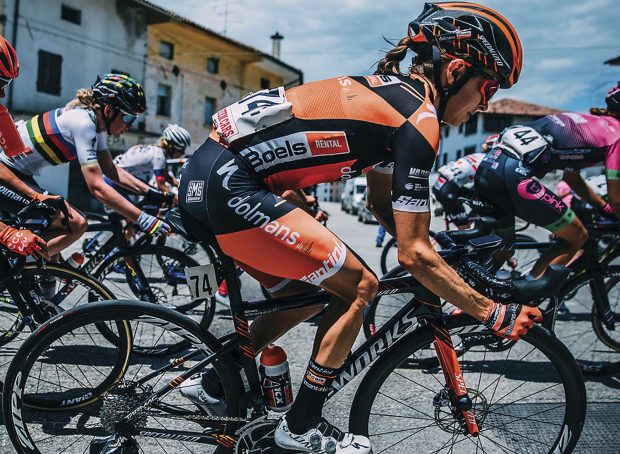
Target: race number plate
{"x":201,"y":280}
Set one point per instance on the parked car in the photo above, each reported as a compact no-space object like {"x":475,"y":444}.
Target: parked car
{"x":363,"y":214}
{"x":353,"y":192}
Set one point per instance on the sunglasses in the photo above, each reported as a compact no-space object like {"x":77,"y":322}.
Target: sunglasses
{"x":4,"y":82}
{"x":489,"y":87}
{"x":128,"y":118}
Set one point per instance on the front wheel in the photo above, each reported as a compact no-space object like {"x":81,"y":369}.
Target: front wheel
{"x":529,"y":397}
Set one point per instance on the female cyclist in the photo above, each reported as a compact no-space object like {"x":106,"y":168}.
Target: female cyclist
{"x":569,"y":142}
{"x":78,"y":131}
{"x":336,"y":129}
{"x":144,"y":161}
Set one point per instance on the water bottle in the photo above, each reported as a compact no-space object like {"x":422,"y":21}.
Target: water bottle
{"x":276,"y":379}
{"x":75,"y":260}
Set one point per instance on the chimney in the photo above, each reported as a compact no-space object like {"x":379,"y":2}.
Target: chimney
{"x":275,"y":48}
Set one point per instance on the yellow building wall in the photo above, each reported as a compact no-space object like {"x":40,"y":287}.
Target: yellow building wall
{"x":192,"y":48}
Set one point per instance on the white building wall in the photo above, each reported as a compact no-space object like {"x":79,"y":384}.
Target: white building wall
{"x":107,"y":38}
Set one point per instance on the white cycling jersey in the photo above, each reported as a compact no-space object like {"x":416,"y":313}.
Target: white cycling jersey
{"x":142,"y":161}
{"x":57,"y":137}
{"x":463,"y":170}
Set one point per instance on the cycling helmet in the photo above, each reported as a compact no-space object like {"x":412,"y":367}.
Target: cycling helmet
{"x":177,"y":136}
{"x":9,"y":63}
{"x":487,"y":39}
{"x":489,"y":142}
{"x":613,"y":99}
{"x":120,"y":91}
{"x":523,"y":143}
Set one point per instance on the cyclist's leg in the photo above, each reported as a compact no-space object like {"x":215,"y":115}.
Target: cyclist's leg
{"x":539,"y":205}
{"x":612,"y":173}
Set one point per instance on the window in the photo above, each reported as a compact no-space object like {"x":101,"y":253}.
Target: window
{"x":264,"y":83}
{"x":470,"y":150}
{"x":210,"y":104}
{"x":471,"y":127}
{"x":71,"y":14}
{"x":496,"y":123}
{"x":458,"y":154}
{"x":213,"y":65}
{"x":461,"y":128}
{"x":49,"y":72}
{"x":445,"y":159}
{"x":166,"y":50}
{"x":164,"y":93}
{"x":446,"y":131}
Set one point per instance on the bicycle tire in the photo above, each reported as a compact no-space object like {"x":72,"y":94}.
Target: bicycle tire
{"x":31,"y":274}
{"x":126,"y":288}
{"x":28,"y":430}
{"x":364,"y":419}
{"x":384,"y":254}
{"x":601,"y":355}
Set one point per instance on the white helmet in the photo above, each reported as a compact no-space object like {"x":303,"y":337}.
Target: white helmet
{"x":177,"y":136}
{"x":523,"y":143}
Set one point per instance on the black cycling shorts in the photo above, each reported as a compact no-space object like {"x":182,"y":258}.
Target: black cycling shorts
{"x":270,"y":238}
{"x":503,"y":182}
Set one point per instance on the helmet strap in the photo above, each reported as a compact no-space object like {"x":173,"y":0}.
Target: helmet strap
{"x":107,"y":121}
{"x":445,"y":92}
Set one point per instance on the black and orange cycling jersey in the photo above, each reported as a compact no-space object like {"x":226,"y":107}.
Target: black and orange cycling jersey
{"x":336,"y":129}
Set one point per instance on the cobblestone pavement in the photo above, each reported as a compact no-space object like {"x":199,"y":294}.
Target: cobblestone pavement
{"x":603,"y":413}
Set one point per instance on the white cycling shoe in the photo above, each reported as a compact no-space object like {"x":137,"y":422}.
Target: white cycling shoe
{"x":193,"y":390}
{"x":322,"y":438}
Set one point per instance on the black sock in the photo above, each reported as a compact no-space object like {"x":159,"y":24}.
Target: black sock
{"x":308,"y":405}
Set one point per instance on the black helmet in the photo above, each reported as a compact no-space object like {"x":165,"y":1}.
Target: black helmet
{"x":613,"y":99}
{"x":120,"y":91}
{"x":484,"y":35}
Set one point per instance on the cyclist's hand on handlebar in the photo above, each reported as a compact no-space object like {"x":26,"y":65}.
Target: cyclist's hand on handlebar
{"x":607,"y":212}
{"x":511,"y":321}
{"x":23,"y":242}
{"x":53,"y":201}
{"x":152,"y":225}
{"x":321,"y":216}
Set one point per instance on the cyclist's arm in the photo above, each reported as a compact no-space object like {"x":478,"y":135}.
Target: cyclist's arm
{"x":418,"y":256}
{"x":414,"y":149}
{"x":297,"y":199}
{"x":582,"y":189}
{"x":120,"y":175}
{"x":9,"y":179}
{"x":379,"y":199}
{"x":107,"y":194}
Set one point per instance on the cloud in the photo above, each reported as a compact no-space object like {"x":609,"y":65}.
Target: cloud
{"x":565,"y":42}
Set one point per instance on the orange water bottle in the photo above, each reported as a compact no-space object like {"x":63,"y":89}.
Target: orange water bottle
{"x":276,"y":378}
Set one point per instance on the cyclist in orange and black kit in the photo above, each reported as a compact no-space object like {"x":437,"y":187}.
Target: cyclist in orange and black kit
{"x":386,"y":125}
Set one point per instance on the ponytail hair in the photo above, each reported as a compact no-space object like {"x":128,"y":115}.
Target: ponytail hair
{"x":421,"y":64}
{"x":601,"y":111}
{"x":83,"y":98}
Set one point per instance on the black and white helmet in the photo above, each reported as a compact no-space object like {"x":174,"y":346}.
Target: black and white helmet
{"x":177,"y":136}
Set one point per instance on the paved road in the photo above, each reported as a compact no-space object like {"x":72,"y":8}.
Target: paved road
{"x":599,"y":433}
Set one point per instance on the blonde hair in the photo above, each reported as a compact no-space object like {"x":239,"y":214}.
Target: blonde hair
{"x":83,"y":98}
{"x":421,"y":64}
{"x":604,"y":112}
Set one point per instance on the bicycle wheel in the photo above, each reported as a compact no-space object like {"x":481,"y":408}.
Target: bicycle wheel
{"x":164,"y":283}
{"x":595,"y":347}
{"x":528,"y":398}
{"x":524,"y":259}
{"x":73,"y":288}
{"x":389,"y":256}
{"x":54,"y":364}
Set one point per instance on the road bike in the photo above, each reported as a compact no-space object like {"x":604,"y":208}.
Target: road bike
{"x":527,"y":395}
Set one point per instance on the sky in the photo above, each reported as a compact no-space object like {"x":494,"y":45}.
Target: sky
{"x":565,"y":42}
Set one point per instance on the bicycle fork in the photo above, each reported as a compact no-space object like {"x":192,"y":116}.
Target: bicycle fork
{"x":455,"y":383}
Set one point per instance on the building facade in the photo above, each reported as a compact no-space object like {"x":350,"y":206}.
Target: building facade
{"x":63,"y":45}
{"x":468,"y":137}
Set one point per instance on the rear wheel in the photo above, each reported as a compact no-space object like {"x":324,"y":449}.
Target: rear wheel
{"x":55,"y":366}
{"x":528,"y":397}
